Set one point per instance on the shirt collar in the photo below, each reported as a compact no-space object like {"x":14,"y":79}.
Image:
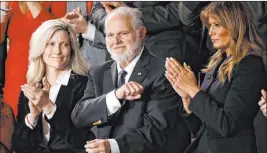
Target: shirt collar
{"x":64,"y":78}
{"x":130,"y":67}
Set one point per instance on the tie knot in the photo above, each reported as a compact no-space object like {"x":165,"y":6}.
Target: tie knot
{"x":122,"y":73}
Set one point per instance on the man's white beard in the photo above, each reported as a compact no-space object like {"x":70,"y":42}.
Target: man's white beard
{"x":129,"y":54}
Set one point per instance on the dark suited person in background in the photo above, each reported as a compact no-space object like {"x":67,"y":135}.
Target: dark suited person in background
{"x":226,"y":103}
{"x":129,"y":101}
{"x":56,"y":79}
{"x":166,"y":35}
{"x":91,"y":40}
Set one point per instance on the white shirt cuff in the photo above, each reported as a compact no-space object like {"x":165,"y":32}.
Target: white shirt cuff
{"x":51,"y":114}
{"x":90,"y":35}
{"x":114,"y":147}
{"x":31,"y":126}
{"x":113,"y":104}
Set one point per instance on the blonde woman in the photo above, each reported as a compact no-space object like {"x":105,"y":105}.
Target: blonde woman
{"x":18,"y":20}
{"x":220,"y":113}
{"x":56,"y":79}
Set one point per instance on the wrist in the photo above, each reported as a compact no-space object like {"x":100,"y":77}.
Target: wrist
{"x":118,"y":95}
{"x":47,"y":109}
{"x":186,"y":103}
{"x":32,"y":117}
{"x":31,"y":121}
{"x":187,"y":111}
{"x":186,"y":98}
{"x":193,"y":91}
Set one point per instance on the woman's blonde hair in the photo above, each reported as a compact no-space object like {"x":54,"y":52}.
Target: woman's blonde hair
{"x":38,"y":43}
{"x":238,"y":19}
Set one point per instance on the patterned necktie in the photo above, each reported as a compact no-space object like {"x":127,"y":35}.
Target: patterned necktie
{"x":121,"y":80}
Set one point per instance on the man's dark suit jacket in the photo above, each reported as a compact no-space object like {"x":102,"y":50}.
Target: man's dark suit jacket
{"x":64,"y":137}
{"x":166,"y":35}
{"x":140,"y":126}
{"x":226,"y":110}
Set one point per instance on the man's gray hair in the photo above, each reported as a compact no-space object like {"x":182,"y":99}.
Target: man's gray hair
{"x":135,"y":14}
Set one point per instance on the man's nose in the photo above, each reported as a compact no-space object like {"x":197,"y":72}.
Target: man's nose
{"x":117,"y":39}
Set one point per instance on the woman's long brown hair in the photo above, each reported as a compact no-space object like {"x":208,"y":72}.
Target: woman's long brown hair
{"x":238,"y":19}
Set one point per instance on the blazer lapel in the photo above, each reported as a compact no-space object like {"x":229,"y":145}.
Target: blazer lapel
{"x":140,"y":70}
{"x":211,"y":76}
{"x":208,"y":80}
{"x":65,"y":92}
{"x":110,"y":79}
{"x":137,"y":75}
{"x":109,"y":84}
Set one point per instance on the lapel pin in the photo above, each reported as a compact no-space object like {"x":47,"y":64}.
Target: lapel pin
{"x":97,"y":122}
{"x":139,"y":73}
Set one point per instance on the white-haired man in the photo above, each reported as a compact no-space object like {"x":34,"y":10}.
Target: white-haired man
{"x":129,"y":102}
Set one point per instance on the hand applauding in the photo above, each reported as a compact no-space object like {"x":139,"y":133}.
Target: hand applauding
{"x":183,"y":81}
{"x":181,"y":77}
{"x":38,"y":97}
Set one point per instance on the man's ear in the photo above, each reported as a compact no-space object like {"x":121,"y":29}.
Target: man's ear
{"x":143,"y":33}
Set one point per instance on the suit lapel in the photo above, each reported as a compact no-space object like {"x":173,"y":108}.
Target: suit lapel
{"x":137,"y":75}
{"x":140,"y":70}
{"x":211,"y":76}
{"x":65,"y":92}
{"x":110,"y":79}
{"x":109,"y":84}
